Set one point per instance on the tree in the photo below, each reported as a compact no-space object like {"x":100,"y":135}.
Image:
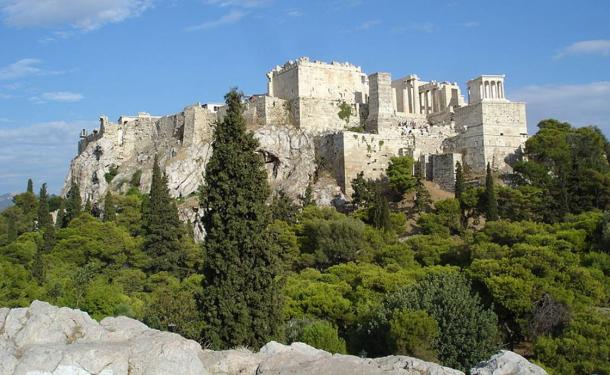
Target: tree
{"x":283,"y":208}
{"x":74,"y":203}
{"x":30,"y":188}
{"x":491,"y":202}
{"x":363,"y":190}
{"x":400,"y":174}
{"x":109,"y":209}
{"x":465,"y":338}
{"x":242,"y":303}
{"x":379,"y":211}
{"x":44,"y":218}
{"x":319,"y":333}
{"x":459,"y":181}
{"x":88,"y":207}
{"x":423,"y":201}
{"x":60,"y":220}
{"x":413,"y":333}
{"x":307,"y":198}
{"x":161,"y":225}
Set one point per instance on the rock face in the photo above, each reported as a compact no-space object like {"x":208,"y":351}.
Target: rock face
{"x":507,"y":363}
{"x":48,"y":340}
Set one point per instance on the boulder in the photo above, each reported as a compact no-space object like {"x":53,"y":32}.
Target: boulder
{"x":48,"y":340}
{"x":507,"y":363}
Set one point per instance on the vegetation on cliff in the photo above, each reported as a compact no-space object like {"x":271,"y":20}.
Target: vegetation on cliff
{"x":454,"y":289}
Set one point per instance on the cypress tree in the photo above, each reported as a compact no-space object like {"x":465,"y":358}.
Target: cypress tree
{"x":161,"y":225}
{"x":109,"y":209}
{"x":423,"y":201}
{"x":74,"y":203}
{"x":490,"y":195}
{"x":459,"y":181}
{"x":88,"y":206}
{"x":61,"y":215}
{"x":44,"y":218}
{"x":379,"y":212}
{"x":242,"y":303}
{"x":30,"y":188}
{"x":307,"y":198}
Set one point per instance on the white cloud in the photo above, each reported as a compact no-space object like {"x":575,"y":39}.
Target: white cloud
{"x":82,"y":14}
{"x":587,"y":47}
{"x":59,"y":96}
{"x":41,"y":151}
{"x":232,"y":17}
{"x":367,"y":25}
{"x":240,"y":3}
{"x":583,"y":104}
{"x":20,"y":69}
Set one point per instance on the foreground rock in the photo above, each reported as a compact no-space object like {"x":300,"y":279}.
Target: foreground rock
{"x":507,"y":363}
{"x":47,"y":340}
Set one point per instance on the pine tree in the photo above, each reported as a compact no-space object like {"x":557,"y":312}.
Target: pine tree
{"x":423,"y":201}
{"x":44,"y":218}
{"x":242,"y":303}
{"x":30,"y":188}
{"x":12,"y":228}
{"x":379,"y":212}
{"x":109,"y":209}
{"x":459,"y":181}
{"x":74,"y":203}
{"x":490,"y":196}
{"x":162,"y":228}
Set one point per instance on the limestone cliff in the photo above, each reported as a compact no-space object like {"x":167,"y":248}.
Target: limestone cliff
{"x":47,"y":340}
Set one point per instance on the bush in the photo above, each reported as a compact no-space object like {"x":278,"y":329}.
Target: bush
{"x":113,"y":170}
{"x":400,"y":174}
{"x":413,"y":333}
{"x":467,"y":331}
{"x":319,"y":333}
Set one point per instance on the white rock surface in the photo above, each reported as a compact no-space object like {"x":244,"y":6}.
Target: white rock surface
{"x":48,"y":340}
{"x":507,"y":363}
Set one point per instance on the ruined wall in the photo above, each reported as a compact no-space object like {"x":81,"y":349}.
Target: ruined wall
{"x":322,"y":115}
{"x":443,"y":169}
{"x":369,"y":153}
{"x":382,"y":116}
{"x":505,"y":131}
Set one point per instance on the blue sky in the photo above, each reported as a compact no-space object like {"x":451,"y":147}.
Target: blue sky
{"x":65,"y":62}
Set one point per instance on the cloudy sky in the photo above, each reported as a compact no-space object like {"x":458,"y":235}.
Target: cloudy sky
{"x":65,"y":62}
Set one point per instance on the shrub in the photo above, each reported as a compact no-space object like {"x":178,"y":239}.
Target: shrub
{"x":319,"y":334}
{"x":413,"y":333}
{"x":113,"y":170}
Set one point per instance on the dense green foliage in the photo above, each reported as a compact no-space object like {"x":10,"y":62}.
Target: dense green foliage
{"x":453,"y":288}
{"x":241,"y":304}
{"x":162,"y":229}
{"x":400,"y":174}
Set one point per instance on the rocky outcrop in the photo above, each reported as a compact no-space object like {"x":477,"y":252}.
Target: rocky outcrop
{"x":507,"y":363}
{"x":48,"y":340}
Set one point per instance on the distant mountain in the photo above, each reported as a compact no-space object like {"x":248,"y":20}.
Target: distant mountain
{"x":6,"y":200}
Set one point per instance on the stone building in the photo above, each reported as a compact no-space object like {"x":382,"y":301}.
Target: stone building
{"x":320,"y":116}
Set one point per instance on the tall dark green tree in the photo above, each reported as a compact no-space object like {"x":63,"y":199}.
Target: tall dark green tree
{"x":30,"y":188}
{"x":44,"y":218}
{"x":162,"y":228}
{"x":379,"y":210}
{"x":242,"y":303}
{"x":423,"y":201}
{"x":491,"y":202}
{"x":74,"y":203}
{"x":109,"y":209}
{"x":459,"y":181}
{"x":61,"y":215}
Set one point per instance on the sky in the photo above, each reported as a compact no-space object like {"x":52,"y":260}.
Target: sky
{"x":63,"y":63}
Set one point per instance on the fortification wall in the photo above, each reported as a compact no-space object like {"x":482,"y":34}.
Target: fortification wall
{"x":443,"y":169}
{"x":469,"y":122}
{"x":322,"y":115}
{"x":369,"y":153}
{"x":505,"y":132}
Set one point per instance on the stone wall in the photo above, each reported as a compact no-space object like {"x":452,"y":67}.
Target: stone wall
{"x":382,"y":115}
{"x":443,"y":169}
{"x":322,"y":115}
{"x":368,"y":153}
{"x":505,"y":132}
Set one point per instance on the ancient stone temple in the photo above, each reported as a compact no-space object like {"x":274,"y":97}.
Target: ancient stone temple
{"x":319,"y":119}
